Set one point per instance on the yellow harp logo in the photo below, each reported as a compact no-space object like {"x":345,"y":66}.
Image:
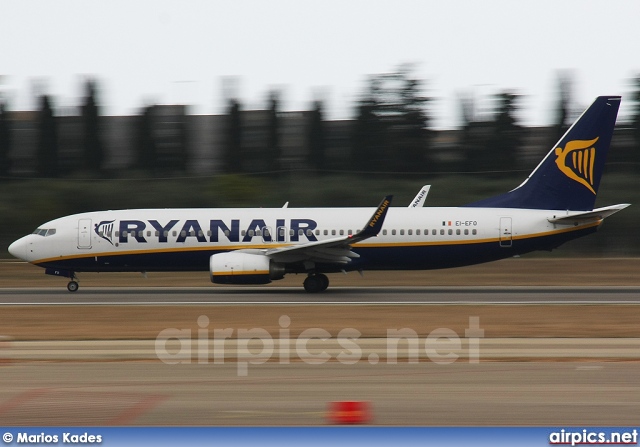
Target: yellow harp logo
{"x":577,"y":160}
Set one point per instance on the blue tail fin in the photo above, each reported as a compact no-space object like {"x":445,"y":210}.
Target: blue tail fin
{"x":569,"y":176}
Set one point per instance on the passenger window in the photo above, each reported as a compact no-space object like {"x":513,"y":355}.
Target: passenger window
{"x":450,"y":231}
{"x":350,"y":233}
{"x":157,"y":233}
{"x":409,"y":232}
{"x":341,"y":232}
{"x":291,"y":232}
{"x":200,"y":233}
{"x":474,"y":231}
{"x":458,"y":232}
{"x":466,"y":232}
{"x":148,"y":233}
{"x":434,"y":232}
{"x":393,"y":232}
{"x":175,"y":233}
{"x":300,"y":232}
{"x":333,"y":232}
{"x":281,"y":232}
{"x":326,"y":232}
{"x":384,"y":232}
{"x":309,"y":233}
{"x":165,"y":233}
{"x":442,"y":232}
{"x":226,"y":233}
{"x":243,"y":233}
{"x":250,"y":233}
{"x":417,"y":232}
{"x":401,"y":232}
{"x":183,"y":233}
{"x":117,"y":233}
{"x":317,"y":232}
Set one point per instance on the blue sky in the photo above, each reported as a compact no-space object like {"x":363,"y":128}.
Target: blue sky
{"x":164,"y":51}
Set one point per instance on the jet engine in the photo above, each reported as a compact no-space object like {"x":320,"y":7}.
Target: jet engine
{"x":244,"y":268}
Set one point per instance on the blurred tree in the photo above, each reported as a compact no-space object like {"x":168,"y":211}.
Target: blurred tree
{"x":507,"y":135}
{"x":271,"y":159}
{"x":5,"y":141}
{"x":183,"y":143}
{"x":232,"y":149}
{"x":393,"y":114}
{"x":635,"y":124}
{"x":47,"y":149}
{"x":474,"y":136}
{"x":368,"y":140}
{"x":146,"y":150}
{"x":93,"y":149}
{"x":562,"y":111}
{"x":316,"y":138}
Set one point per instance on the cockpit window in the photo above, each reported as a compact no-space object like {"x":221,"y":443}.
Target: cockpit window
{"x":44,"y":231}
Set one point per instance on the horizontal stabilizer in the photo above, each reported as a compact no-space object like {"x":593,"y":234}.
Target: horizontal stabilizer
{"x":589,"y":216}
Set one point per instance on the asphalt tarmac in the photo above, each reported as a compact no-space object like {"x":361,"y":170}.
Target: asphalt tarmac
{"x":424,"y":393}
{"x":338,"y":295}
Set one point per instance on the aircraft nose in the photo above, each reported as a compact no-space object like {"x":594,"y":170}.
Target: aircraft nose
{"x":19,"y":249}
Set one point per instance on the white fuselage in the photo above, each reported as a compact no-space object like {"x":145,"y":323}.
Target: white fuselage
{"x":182,"y":239}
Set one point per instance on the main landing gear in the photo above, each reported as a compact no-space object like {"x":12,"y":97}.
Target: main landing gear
{"x":316,"y":282}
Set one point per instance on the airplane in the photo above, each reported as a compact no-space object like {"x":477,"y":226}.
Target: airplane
{"x":260,"y":245}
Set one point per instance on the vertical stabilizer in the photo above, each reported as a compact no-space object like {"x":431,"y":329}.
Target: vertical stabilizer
{"x":569,"y":176}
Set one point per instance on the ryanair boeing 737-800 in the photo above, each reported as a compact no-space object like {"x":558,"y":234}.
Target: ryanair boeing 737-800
{"x":259,"y":245}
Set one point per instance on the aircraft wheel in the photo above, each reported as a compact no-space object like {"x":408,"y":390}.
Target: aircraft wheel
{"x":325,"y":281}
{"x":316,"y":283}
{"x":72,"y":286}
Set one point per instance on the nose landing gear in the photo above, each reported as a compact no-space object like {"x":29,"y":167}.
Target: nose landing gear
{"x":72,"y":286}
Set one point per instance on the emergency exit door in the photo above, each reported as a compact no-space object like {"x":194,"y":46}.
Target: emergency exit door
{"x":506,"y":236}
{"x":84,"y":233}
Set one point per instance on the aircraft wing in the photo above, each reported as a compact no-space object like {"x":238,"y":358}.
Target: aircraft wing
{"x":595,"y":215}
{"x":335,"y":250}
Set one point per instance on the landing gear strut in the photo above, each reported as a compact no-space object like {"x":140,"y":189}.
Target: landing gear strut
{"x":316,"y":283}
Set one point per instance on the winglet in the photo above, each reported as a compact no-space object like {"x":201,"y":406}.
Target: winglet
{"x":373,"y":226}
{"x":419,"y":199}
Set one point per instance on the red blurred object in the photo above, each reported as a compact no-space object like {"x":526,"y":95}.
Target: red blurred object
{"x":351,"y":412}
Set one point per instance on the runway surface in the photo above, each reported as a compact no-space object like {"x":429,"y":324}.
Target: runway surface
{"x":138,"y":393}
{"x":337,"y":295}
{"x":561,"y":356}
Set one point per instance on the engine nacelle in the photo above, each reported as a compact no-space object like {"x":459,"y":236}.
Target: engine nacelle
{"x":243,"y":268}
